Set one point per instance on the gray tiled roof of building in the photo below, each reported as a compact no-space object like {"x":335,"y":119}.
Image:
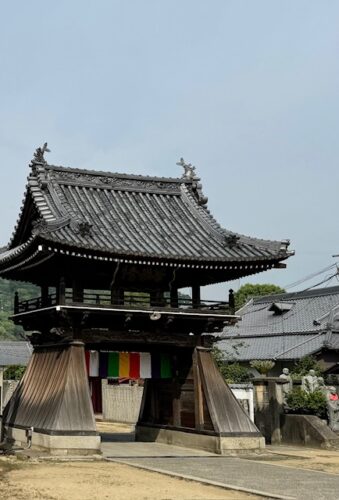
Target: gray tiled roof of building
{"x":282,"y":347}
{"x":15,"y":353}
{"x":307,"y":308}
{"x":297,"y":332}
{"x":130,"y":215}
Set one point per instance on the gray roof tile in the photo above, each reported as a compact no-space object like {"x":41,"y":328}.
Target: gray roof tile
{"x":133,"y":216}
{"x":284,"y":347}
{"x":300,"y":331}
{"x":307,"y":307}
{"x":15,"y":353}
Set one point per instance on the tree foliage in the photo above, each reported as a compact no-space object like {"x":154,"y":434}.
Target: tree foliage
{"x":14,"y":372}
{"x":231,"y":370}
{"x":9,"y":331}
{"x":304,"y":365}
{"x":299,"y":401}
{"x":247,"y":291}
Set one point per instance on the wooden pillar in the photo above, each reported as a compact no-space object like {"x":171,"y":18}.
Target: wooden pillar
{"x":176,"y":405}
{"x":174,"y":297}
{"x":117,"y":296}
{"x":44,"y":295}
{"x":78,"y":291}
{"x":61,"y":291}
{"x":156,"y":298}
{"x":196,"y":296}
{"x":231,"y":301}
{"x":198,"y":394}
{"x":16,"y":303}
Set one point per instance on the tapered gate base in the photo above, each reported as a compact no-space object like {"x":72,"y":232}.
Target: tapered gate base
{"x":51,"y":409}
{"x":196,"y":409}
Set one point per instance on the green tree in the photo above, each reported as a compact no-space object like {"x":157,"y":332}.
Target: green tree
{"x":299,"y":401}
{"x":304,"y":365}
{"x":247,"y":291}
{"x":14,"y":372}
{"x":231,"y":370}
{"x":9,"y":331}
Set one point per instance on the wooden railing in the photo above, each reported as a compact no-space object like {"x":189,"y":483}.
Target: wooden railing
{"x":128,"y":300}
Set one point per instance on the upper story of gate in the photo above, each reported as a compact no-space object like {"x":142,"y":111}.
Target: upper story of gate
{"x":88,"y":230}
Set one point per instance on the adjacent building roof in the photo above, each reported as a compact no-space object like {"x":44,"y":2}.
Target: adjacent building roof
{"x":132,"y":216}
{"x":15,"y":353}
{"x":268,"y":330}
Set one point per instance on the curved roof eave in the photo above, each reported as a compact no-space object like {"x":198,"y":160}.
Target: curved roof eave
{"x":49,"y":186}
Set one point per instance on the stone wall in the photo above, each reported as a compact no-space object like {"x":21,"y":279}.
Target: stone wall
{"x":307,"y":430}
{"x":121,"y":403}
{"x":244,"y":394}
{"x":9,"y":387}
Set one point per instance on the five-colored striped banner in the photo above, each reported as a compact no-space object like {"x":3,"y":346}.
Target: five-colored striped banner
{"x":132,"y":365}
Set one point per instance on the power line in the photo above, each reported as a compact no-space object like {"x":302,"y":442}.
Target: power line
{"x":291,"y":296}
{"x":310,"y":276}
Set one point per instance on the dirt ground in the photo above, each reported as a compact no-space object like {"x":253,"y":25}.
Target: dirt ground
{"x":98,"y":480}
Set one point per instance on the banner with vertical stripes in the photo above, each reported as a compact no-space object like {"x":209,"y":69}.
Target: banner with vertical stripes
{"x":129,"y":365}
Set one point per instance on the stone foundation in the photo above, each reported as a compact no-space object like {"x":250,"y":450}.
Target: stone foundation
{"x":55,"y":445}
{"x":222,"y":445}
{"x":308,"y":430}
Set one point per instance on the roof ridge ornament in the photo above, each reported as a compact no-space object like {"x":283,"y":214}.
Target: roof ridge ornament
{"x":190,"y":175}
{"x":38,"y":157}
{"x":189,"y":169}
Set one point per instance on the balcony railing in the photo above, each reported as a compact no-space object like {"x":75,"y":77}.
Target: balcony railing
{"x":129,"y":300}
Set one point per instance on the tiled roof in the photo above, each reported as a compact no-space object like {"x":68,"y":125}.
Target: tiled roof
{"x":264,"y":334}
{"x":282,"y":347}
{"x":307,"y":307}
{"x":126,"y":215}
{"x":15,"y":353}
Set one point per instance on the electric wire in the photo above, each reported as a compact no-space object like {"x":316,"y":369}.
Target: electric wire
{"x":310,"y":276}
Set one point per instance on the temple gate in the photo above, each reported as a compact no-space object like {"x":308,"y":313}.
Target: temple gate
{"x":110,"y":253}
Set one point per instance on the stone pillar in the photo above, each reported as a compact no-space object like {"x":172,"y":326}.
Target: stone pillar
{"x":269,"y":407}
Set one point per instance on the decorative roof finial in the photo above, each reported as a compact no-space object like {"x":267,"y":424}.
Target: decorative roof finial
{"x":189,"y":169}
{"x":38,"y":158}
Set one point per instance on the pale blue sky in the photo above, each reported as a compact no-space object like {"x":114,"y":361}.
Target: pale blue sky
{"x":248,"y":91}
